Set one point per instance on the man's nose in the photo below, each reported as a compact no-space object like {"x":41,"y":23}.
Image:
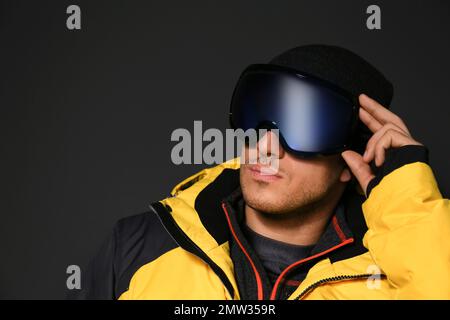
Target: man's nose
{"x":269,"y":146}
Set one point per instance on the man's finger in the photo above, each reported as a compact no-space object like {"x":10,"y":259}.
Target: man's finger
{"x":390,"y":139}
{"x":370,"y":148}
{"x":380,"y":113}
{"x":359,"y":168}
{"x":373,"y":124}
{"x":380,"y":149}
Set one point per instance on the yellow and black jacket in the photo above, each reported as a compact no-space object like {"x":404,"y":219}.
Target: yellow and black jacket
{"x":394,"y":244}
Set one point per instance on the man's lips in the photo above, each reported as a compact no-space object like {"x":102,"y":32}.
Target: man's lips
{"x":264,"y":173}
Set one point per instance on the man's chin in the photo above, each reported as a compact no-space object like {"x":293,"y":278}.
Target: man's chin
{"x":266,"y":200}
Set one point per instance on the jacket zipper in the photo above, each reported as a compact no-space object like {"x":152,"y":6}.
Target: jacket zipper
{"x":181,"y":238}
{"x":334,"y":279}
{"x":260,"y":293}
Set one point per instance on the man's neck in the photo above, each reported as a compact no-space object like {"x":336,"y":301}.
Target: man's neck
{"x":303,"y":227}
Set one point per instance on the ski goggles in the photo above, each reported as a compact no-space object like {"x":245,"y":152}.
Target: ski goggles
{"x":313,"y":117}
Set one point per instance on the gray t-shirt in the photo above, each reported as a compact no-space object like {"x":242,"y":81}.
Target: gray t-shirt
{"x":275,"y":255}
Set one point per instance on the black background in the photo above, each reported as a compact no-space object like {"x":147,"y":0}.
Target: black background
{"x":86,"y":116}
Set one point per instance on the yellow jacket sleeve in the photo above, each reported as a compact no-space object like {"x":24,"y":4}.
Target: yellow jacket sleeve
{"x":409,"y":233}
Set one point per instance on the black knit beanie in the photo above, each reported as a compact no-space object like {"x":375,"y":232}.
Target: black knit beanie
{"x":346,"y":70}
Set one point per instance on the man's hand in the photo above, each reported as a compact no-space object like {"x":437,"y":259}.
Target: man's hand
{"x":389,"y":132}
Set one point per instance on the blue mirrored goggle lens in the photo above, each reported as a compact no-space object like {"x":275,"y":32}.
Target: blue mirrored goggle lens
{"x":311,"y":118}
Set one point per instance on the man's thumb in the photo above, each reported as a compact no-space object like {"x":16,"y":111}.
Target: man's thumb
{"x":360,"y":169}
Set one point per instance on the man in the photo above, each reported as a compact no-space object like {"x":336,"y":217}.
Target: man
{"x":307,"y":230}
